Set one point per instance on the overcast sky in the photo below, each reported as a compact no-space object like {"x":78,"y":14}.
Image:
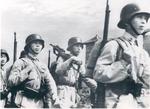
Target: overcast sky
{"x":58,"y":20}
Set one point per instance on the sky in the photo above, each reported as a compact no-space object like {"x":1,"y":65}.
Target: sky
{"x":58,"y":20}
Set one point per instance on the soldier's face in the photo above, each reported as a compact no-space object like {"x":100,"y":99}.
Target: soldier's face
{"x":76,"y":49}
{"x":36,"y":47}
{"x":139,"y":22}
{"x":3,"y":59}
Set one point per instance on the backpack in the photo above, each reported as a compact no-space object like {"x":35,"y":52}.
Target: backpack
{"x":99,"y":101}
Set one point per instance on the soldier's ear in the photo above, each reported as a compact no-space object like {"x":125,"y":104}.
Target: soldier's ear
{"x":128,"y":27}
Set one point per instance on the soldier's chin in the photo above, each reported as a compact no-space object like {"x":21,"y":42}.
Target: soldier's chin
{"x":37,"y":52}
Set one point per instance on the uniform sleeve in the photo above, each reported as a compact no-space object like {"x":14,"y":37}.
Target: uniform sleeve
{"x":107,"y":69}
{"x":82,"y":70}
{"x":146,"y":71}
{"x":17,"y":74}
{"x":51,"y":86}
{"x":62,"y":66}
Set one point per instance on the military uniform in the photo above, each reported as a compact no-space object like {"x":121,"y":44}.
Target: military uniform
{"x":67,"y":76}
{"x":109,"y":70}
{"x":123,"y":65}
{"x":34,"y":84}
{"x":3,"y":86}
{"x":147,"y":40}
{"x":3,"y":82}
{"x":67,"y":80}
{"x":29,"y":93}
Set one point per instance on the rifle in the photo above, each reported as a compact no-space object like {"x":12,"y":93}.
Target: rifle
{"x":94,"y":54}
{"x":15,"y":48}
{"x":60,"y":52}
{"x":13,"y":90}
{"x":100,"y":100}
{"x":49,"y":59}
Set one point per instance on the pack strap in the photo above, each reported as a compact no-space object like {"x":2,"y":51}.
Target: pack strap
{"x":35,"y":66}
{"x":122,"y":42}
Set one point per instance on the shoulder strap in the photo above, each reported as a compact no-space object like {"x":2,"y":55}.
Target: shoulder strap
{"x":122,"y":45}
{"x":30,"y":62}
{"x":24,"y":60}
{"x":33,"y":64}
{"x":122,"y":42}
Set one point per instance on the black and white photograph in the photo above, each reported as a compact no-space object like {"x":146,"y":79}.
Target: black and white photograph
{"x":75,"y":54}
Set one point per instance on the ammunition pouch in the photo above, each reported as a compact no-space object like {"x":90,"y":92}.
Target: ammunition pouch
{"x":3,"y":94}
{"x":125,"y":87}
{"x":30,"y":93}
{"x":135,"y":89}
{"x":43,"y":90}
{"x":66,"y":84}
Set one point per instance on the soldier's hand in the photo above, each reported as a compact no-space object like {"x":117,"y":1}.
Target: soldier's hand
{"x":76,"y":60}
{"x":147,"y":32}
{"x":91,"y":83}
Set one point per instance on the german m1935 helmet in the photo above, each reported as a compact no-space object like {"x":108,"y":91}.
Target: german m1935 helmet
{"x":3,"y":51}
{"x":73,"y":41}
{"x":128,"y":12}
{"x":31,"y":38}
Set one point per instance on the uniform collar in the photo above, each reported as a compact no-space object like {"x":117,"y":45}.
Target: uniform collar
{"x":129,"y":37}
{"x":30,"y":56}
{"x":132,"y":39}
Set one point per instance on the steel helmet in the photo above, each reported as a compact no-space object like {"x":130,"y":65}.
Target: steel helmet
{"x":23,"y":54}
{"x":3,"y":51}
{"x":128,"y":12}
{"x":73,"y":41}
{"x":31,"y":38}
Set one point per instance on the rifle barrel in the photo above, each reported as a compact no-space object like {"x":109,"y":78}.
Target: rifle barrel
{"x":15,"y":48}
{"x":49,"y":58}
{"x":106,"y":25}
{"x":100,"y":100}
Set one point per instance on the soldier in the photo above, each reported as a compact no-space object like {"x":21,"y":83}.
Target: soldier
{"x":36,"y":87}
{"x":68,"y":72}
{"x":3,"y":78}
{"x":147,"y":40}
{"x":123,"y":63}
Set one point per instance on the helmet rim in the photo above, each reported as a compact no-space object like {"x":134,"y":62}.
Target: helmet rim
{"x":69,"y":47}
{"x":5,"y":52}
{"x":136,"y":10}
{"x":32,"y":38}
{"x":28,"y":44}
{"x":74,"y":41}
